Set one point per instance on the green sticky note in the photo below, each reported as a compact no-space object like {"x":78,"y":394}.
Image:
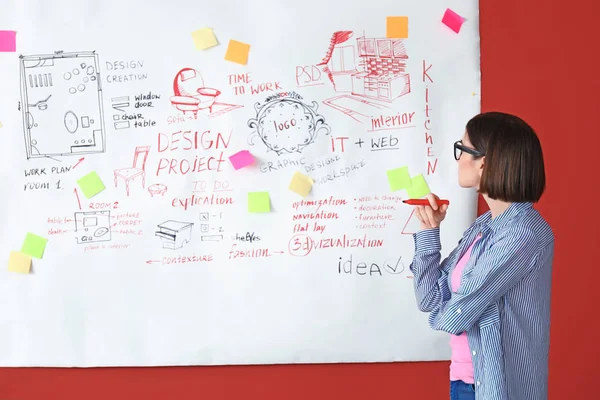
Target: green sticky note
{"x":91,"y":184}
{"x":418,"y":188}
{"x":34,"y":245}
{"x":259,"y":202}
{"x":399,"y":178}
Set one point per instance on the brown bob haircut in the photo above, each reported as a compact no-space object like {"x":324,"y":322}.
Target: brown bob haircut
{"x":513,"y":170}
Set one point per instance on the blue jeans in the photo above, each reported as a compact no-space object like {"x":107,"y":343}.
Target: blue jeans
{"x":461,"y":391}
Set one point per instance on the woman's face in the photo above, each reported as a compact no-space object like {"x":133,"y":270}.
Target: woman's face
{"x":469,"y":168}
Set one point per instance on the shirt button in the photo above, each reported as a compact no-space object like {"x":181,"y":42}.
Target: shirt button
{"x":474,"y":352}
{"x":458,"y":311}
{"x":478,"y":383}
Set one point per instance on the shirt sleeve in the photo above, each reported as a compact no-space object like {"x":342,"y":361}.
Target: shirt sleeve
{"x":496,"y":271}
{"x":430,"y":277}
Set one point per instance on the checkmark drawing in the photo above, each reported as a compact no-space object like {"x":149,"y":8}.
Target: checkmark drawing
{"x":394,"y":268}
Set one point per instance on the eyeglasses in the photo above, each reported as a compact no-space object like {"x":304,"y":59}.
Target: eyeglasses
{"x":459,"y":148}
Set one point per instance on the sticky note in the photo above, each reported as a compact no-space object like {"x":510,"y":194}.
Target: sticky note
{"x":8,"y":41}
{"x":452,"y":20}
{"x":34,"y":245}
{"x":237,"y":52}
{"x":19,"y":262}
{"x":418,"y":187}
{"x":399,"y":179}
{"x":259,"y":202}
{"x":91,"y":184}
{"x":301,"y":184}
{"x":204,"y":38}
{"x":397,"y":27}
{"x":241,"y":159}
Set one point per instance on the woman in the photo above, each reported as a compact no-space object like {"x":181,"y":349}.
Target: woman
{"x":492,"y":293}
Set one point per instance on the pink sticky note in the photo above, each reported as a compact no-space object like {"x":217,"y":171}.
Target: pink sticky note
{"x":241,"y":159}
{"x":453,"y":20}
{"x":8,"y":41}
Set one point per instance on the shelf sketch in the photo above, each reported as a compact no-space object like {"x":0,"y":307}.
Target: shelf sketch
{"x":93,"y":226}
{"x":174,"y":234}
{"x":61,"y":99}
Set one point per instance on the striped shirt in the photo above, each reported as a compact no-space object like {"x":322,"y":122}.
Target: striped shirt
{"x":503,"y":302}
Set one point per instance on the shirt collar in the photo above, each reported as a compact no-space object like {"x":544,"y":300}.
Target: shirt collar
{"x":485,"y":221}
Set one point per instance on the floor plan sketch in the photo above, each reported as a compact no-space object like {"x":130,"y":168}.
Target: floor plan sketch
{"x":61,"y":102}
{"x":92,"y":227}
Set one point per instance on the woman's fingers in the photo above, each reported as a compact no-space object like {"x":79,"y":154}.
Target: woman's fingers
{"x":431,"y":216}
{"x":432,"y":200}
{"x":418,"y":213}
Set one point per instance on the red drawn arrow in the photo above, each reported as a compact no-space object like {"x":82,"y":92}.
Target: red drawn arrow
{"x":77,"y":194}
{"x":152,"y":261}
{"x":278,"y":252}
{"x":79,"y":162}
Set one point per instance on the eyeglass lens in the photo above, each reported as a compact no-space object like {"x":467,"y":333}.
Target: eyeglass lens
{"x":457,"y":153}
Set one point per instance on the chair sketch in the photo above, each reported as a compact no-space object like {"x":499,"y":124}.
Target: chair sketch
{"x":138,"y":169}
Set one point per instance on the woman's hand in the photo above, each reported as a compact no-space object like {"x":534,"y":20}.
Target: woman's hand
{"x":431,"y":216}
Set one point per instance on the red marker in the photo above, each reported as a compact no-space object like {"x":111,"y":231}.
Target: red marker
{"x":424,"y":202}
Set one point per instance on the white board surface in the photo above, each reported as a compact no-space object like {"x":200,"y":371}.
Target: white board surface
{"x":166,"y":266}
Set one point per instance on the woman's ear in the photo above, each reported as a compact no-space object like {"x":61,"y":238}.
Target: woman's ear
{"x":481,"y":165}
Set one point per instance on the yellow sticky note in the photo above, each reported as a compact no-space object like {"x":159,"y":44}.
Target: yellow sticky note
{"x":418,"y":187}
{"x":34,"y":245}
{"x":399,"y":179}
{"x":204,"y":38}
{"x":397,"y":27}
{"x":259,"y":202}
{"x":91,"y":184}
{"x":19,"y":262}
{"x":237,"y":52}
{"x":301,"y":184}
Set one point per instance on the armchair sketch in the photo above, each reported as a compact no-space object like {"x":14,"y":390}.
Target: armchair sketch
{"x":190,"y":94}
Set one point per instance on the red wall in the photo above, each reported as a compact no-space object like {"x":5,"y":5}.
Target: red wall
{"x":538,"y":61}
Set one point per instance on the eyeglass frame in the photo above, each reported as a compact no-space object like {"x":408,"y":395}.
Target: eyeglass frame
{"x":458,"y":145}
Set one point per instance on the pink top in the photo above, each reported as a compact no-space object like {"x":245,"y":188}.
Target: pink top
{"x":461,"y":365}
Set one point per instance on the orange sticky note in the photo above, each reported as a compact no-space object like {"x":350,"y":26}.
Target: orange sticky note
{"x":19,"y":262}
{"x":397,"y":27}
{"x":237,"y":52}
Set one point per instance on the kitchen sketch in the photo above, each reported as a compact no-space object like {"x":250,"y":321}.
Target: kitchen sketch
{"x":368,"y":74}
